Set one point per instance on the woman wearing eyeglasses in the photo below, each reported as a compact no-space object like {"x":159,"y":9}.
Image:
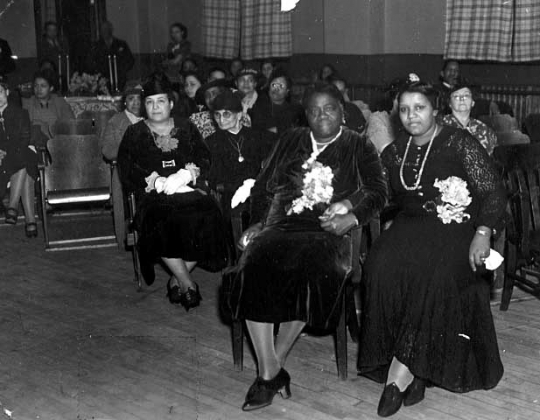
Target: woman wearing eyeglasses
{"x":237,"y":152}
{"x":461,"y":103}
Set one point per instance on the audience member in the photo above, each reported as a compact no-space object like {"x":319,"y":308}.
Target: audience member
{"x":51,"y":45}
{"x":203,"y":120}
{"x":192,"y":83}
{"x":216,"y":73}
{"x":255,"y":105}
{"x":18,"y":161}
{"x":267,"y":68}
{"x":235,"y":67}
{"x":282,"y":114}
{"x":109,"y":46}
{"x":178,"y":50}
{"x":461,"y":103}
{"x":326,"y":72}
{"x":190,"y":65}
{"x":354,"y":118}
{"x":449,"y":76}
{"x":7,"y":63}
{"x":165,"y":163}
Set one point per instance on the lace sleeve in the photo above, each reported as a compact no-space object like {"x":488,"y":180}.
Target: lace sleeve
{"x":485,"y":182}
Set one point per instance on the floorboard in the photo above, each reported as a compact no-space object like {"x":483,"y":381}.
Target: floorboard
{"x":79,"y":343}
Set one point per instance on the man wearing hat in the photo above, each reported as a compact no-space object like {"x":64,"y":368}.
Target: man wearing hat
{"x":203,"y":120}
{"x":112,"y":137}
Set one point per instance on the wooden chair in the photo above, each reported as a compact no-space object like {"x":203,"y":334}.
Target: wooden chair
{"x":76,"y":175}
{"x":521,"y":165}
{"x":132,"y":238}
{"x":348,"y":314}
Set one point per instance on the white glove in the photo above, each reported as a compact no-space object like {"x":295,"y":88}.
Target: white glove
{"x":159,"y":184}
{"x":176,"y":181}
{"x":242,"y":193}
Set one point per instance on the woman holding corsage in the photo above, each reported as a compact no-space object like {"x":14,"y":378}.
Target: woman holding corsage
{"x":318,"y":183}
{"x":426,"y":317}
{"x":165,"y":163}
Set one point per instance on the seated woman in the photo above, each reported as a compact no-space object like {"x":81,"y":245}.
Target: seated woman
{"x":165,"y":163}
{"x":282,"y":114}
{"x":18,"y":163}
{"x":255,"y":105}
{"x":192,"y":83}
{"x":44,"y":109}
{"x":295,"y":263}
{"x":112,"y":137}
{"x":461,"y":103}
{"x":426,"y":316}
{"x":237,"y":152}
{"x":203,"y":119}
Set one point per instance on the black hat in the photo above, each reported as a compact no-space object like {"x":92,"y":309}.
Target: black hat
{"x":132,"y":87}
{"x":229,"y":101}
{"x":156,"y":84}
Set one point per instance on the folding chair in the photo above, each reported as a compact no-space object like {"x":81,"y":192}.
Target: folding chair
{"x":76,"y":176}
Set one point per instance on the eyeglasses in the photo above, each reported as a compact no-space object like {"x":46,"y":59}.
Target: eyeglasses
{"x":461,"y":97}
{"x":276,"y":85}
{"x":224,"y":115}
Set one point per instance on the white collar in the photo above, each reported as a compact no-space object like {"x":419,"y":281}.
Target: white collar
{"x":133,"y":119}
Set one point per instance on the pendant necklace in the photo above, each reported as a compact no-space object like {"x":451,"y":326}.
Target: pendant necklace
{"x":419,"y":176}
{"x":237,"y":145}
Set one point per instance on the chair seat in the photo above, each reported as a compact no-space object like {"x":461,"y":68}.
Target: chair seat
{"x":78,"y":196}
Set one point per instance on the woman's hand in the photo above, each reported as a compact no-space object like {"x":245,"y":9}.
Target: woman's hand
{"x":248,"y":235}
{"x":339,"y":224}
{"x":479,"y":250}
{"x":340,"y":207}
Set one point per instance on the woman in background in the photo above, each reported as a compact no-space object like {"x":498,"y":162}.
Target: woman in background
{"x":178,"y":50}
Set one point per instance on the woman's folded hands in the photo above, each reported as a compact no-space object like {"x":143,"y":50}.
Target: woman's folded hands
{"x":338,"y":219}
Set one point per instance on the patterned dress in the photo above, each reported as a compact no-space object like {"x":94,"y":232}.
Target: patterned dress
{"x":481,"y":132}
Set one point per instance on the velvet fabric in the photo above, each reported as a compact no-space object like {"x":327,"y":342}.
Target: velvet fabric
{"x":294,"y":270}
{"x":181,"y":225}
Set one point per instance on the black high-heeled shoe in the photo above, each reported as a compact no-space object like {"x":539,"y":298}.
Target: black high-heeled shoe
{"x":191,"y":298}
{"x":30,"y":230}
{"x":262,"y":392}
{"x":391,"y":400}
{"x":415,"y":392}
{"x":173,"y":293}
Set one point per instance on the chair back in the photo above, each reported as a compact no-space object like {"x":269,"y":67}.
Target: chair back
{"x":77,"y":164}
{"x":73,"y":127}
{"x":500,"y":122}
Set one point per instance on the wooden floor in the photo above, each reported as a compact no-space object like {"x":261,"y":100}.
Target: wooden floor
{"x":78,"y":342}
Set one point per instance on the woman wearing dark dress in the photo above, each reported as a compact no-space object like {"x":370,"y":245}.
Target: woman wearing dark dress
{"x":18,"y":162}
{"x":237,"y":152}
{"x":293,"y":269}
{"x":427,"y":316}
{"x":165,"y":163}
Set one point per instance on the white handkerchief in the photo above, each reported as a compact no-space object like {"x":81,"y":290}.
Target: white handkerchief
{"x":494,"y":260}
{"x":288,"y":5}
{"x":242,"y":193}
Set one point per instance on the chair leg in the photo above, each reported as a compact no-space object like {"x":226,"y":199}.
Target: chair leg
{"x":136,"y":265}
{"x":44,"y":219}
{"x":341,"y":340}
{"x":510,"y":272}
{"x":238,"y":344}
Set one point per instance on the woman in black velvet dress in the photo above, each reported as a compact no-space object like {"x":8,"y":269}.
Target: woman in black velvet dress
{"x":427,"y":316}
{"x":165,"y":163}
{"x":293,"y":269}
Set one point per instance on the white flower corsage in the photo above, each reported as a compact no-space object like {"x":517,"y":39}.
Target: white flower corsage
{"x":453,"y":200}
{"x":242,"y":193}
{"x":317,"y":187}
{"x":413,"y":78}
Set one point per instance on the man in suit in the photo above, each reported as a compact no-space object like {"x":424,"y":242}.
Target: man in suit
{"x":108,"y":45}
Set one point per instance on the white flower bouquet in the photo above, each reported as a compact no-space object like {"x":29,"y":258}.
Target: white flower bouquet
{"x":453,"y":200}
{"x":88,"y":84}
{"x":317,"y":187}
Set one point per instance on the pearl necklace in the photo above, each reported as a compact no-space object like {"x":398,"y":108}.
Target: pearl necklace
{"x":419,"y":177}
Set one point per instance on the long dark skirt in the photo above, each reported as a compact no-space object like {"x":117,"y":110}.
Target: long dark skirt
{"x":425,"y":306}
{"x":187,"y":226}
{"x":293,"y":270}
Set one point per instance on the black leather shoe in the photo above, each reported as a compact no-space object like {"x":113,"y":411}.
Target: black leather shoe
{"x":173,"y":293}
{"x":415,"y":392}
{"x":262,"y":392}
{"x":391,"y":400}
{"x":191,"y":298}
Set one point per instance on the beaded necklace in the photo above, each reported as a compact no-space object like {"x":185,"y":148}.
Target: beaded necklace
{"x":419,"y":177}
